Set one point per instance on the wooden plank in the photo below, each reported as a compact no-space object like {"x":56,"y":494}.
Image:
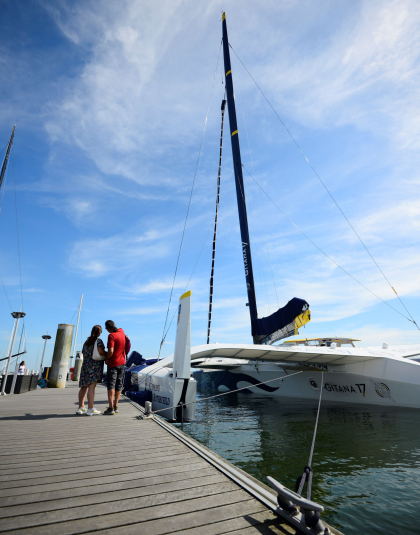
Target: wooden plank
{"x":104,"y":480}
{"x":63,"y":447}
{"x":177,"y":473}
{"x":78,"y":463}
{"x":182,"y":522}
{"x":263,"y":518}
{"x":96,"y":465}
{"x":114,"y":520}
{"x":199,"y":479}
{"x":115,"y":507}
{"x":69,"y":455}
{"x":181,"y":459}
{"x":263,"y":529}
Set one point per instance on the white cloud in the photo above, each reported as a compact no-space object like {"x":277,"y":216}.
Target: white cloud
{"x":131,"y":251}
{"x":140,"y":311}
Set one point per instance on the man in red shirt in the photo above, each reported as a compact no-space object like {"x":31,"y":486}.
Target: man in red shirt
{"x":115,"y":361}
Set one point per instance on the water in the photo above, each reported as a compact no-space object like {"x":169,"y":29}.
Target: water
{"x":366,"y":461}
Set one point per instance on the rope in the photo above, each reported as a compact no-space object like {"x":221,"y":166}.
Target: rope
{"x":308,"y":470}
{"x":77,"y":308}
{"x":7,"y":297}
{"x":17,"y":226}
{"x":230,"y":392}
{"x":317,"y":418}
{"x":189,"y":203}
{"x":326,"y":189}
{"x":213,"y":258}
{"x":323,"y":252}
{"x":196,"y":263}
{"x":1,"y":206}
{"x":185,"y":289}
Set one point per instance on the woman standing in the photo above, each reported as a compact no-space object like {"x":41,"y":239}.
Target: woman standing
{"x":22,"y":368}
{"x":91,"y":372}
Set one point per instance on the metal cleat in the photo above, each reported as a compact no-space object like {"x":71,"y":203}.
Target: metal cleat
{"x":291,"y":503}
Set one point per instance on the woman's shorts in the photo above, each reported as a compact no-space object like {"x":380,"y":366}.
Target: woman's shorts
{"x":115,"y":378}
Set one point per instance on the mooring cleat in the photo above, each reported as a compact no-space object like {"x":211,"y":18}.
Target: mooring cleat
{"x":291,"y":502}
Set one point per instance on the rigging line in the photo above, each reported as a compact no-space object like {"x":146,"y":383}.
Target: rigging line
{"x":324,"y":253}
{"x":74,"y":314}
{"x":3,"y":149}
{"x":189,"y":202}
{"x":3,"y":188}
{"x":7,"y":297}
{"x":17,"y":226}
{"x":258,"y":221}
{"x":326,"y":189}
{"x":222,"y":234}
{"x":192,"y":273}
{"x":231,"y":391}
{"x":185,"y":289}
{"x":216,"y":217}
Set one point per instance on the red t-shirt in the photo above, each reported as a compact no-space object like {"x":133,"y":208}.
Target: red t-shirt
{"x":117,"y":341}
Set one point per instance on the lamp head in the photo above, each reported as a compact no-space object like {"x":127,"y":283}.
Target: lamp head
{"x":18,"y":314}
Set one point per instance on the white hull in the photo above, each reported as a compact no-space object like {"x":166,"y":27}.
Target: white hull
{"x":338,"y":387}
{"x":376,"y":379}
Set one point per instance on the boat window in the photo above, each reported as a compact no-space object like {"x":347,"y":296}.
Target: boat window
{"x":313,"y":383}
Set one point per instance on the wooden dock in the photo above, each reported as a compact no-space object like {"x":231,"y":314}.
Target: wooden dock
{"x":66,"y":474}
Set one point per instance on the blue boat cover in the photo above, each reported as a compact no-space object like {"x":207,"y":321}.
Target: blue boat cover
{"x":134,"y":359}
{"x":282,"y":323}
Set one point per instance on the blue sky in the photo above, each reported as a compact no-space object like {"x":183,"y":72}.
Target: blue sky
{"x":110,"y":101}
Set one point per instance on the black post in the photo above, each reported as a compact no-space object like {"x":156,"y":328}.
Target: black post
{"x":239,"y":181}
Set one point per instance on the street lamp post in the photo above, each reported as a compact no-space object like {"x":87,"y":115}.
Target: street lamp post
{"x":12,"y":389}
{"x":17,"y":316}
{"x":46,"y":338}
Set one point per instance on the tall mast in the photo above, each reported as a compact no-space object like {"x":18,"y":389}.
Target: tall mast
{"x":239,"y":181}
{"x":6,"y":158}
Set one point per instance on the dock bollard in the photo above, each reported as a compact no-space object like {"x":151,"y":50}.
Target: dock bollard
{"x":60,"y":360}
{"x":77,"y":366}
{"x":148,"y":409}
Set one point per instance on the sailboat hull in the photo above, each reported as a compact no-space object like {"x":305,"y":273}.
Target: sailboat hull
{"x":339,"y":387}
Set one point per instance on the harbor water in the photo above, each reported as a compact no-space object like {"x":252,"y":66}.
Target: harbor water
{"x":366,"y":462}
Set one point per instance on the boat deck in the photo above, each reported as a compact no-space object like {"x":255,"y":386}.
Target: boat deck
{"x":63,"y":473}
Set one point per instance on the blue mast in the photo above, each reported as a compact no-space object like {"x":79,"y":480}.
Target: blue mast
{"x":239,"y":181}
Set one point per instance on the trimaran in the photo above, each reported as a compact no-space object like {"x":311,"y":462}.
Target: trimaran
{"x":384,"y":376}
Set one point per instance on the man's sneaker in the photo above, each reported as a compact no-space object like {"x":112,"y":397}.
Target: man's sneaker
{"x":110,"y":410}
{"x":115,"y":408}
{"x":92,"y":412}
{"x":81,"y":410}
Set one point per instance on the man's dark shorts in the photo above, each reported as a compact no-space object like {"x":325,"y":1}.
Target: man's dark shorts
{"x":115,"y":377}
